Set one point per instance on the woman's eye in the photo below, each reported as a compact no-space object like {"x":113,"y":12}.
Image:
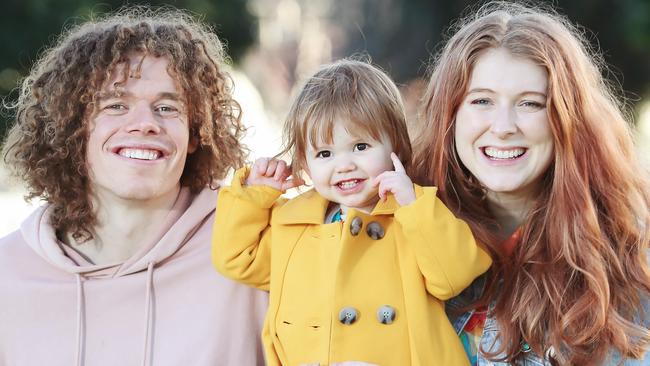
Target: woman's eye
{"x":324,"y":154}
{"x":361,"y":146}
{"x":532,"y":104}
{"x":480,"y":101}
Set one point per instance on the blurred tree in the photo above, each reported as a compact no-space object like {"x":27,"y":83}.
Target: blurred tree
{"x":401,"y":35}
{"x":28,"y":26}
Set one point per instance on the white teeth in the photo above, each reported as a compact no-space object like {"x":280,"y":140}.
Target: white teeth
{"x":503,"y":154}
{"x":348,"y":184}
{"x":140,"y":154}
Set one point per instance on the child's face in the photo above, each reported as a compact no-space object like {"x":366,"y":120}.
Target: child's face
{"x":343,"y":171}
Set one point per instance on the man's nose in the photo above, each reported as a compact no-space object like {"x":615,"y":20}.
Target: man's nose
{"x":143,"y":120}
{"x":503,"y":122}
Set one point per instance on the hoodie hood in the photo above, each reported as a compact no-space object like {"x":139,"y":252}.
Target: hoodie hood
{"x":186,"y":216}
{"x":183,"y":220}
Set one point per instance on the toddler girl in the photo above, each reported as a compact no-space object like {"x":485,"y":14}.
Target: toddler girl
{"x":358,"y":267}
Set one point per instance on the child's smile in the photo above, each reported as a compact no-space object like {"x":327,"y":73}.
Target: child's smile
{"x":349,"y":186}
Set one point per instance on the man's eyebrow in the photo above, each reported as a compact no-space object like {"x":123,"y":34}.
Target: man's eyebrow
{"x":125,"y":94}
{"x":168,"y":95}
{"x":112,"y":94}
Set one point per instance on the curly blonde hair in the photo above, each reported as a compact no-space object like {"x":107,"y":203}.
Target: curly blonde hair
{"x":47,"y":145}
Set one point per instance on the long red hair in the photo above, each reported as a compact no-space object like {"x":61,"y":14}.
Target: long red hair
{"x":574,"y":282}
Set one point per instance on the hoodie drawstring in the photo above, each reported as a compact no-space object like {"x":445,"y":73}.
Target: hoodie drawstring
{"x":80,"y":320}
{"x":148,"y":315}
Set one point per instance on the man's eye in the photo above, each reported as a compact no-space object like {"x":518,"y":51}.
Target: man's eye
{"x":116,"y":107}
{"x":166,"y":109}
{"x":324,"y":154}
{"x":361,"y":146}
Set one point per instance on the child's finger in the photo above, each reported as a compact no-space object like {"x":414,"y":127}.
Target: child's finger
{"x":260,"y":166}
{"x":378,"y":179}
{"x":286,"y":174}
{"x":384,"y":188}
{"x":280,"y":171}
{"x":399,"y":167}
{"x":271,"y":167}
{"x":292,"y":183}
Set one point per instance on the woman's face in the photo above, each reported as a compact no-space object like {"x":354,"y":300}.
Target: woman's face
{"x":502,"y":132}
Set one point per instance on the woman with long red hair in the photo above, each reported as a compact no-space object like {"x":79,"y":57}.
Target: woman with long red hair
{"x":529,"y":144}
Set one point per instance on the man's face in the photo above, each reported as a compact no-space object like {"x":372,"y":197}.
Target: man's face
{"x":139,"y":136}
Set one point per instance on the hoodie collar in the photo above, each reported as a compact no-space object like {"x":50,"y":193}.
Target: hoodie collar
{"x":189,"y":212}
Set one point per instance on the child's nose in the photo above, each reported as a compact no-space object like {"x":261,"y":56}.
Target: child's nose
{"x":344,"y":164}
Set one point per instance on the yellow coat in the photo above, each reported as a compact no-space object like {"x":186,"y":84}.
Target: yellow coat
{"x":318,"y":272}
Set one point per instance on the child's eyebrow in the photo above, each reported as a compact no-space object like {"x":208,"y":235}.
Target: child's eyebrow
{"x":318,"y":145}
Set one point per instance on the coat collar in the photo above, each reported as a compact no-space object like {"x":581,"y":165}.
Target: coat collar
{"x":311,"y":208}
{"x":308,"y":208}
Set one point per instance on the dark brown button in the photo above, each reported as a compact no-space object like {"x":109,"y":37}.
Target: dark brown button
{"x":355,"y":226}
{"x":375,"y":231}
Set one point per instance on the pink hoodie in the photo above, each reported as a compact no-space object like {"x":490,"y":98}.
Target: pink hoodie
{"x":164,"y":306}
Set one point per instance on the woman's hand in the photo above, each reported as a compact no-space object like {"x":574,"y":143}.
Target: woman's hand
{"x":272,"y":173}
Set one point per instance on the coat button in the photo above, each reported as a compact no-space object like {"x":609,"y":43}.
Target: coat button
{"x":386,"y":314}
{"x":348,"y":315}
{"x":375,"y":231}
{"x":355,"y":226}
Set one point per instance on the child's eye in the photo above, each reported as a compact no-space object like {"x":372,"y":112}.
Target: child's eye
{"x":361,"y":146}
{"x":324,"y":154}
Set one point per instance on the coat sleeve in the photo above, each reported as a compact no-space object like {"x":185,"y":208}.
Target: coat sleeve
{"x":241,"y":236}
{"x":446,"y":252}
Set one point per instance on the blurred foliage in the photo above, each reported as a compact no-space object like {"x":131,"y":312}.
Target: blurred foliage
{"x":28,"y":26}
{"x":414,"y":30}
{"x":400,"y":35}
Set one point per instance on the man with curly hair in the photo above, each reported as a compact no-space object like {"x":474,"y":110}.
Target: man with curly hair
{"x":124,"y":128}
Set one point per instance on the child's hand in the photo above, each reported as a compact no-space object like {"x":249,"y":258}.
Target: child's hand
{"x":395,"y":182}
{"x":273,"y":173}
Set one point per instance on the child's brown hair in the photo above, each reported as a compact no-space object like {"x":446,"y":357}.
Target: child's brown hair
{"x":354,"y":91}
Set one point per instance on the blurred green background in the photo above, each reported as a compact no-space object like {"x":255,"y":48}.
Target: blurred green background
{"x":399,"y":35}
